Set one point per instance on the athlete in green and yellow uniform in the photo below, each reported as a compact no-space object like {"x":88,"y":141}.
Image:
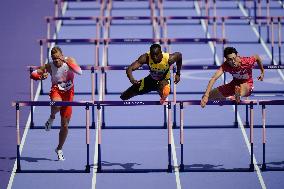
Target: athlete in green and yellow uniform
{"x":159,"y":78}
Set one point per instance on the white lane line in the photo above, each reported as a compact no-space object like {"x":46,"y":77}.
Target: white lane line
{"x":176,"y":167}
{"x":13,"y":174}
{"x":94,"y":178}
{"x":173,"y":146}
{"x":260,"y":178}
{"x":258,"y":172}
{"x":174,"y":155}
{"x":99,"y":116}
{"x":27,"y":126}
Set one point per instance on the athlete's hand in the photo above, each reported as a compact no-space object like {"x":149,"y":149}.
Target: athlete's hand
{"x":204,"y":101}
{"x":177,"y":78}
{"x":135,"y":82}
{"x":44,"y":76}
{"x":260,"y":78}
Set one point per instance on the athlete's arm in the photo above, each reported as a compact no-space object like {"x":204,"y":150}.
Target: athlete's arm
{"x":41,"y":72}
{"x":260,"y":65}
{"x":135,"y":66}
{"x":71,"y":62}
{"x":176,"y":58}
{"x":205,"y":97}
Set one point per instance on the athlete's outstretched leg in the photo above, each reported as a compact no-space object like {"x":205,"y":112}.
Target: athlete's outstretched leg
{"x":215,"y":94}
{"x":130,"y":92}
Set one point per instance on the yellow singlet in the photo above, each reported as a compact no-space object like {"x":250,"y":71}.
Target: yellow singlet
{"x":161,"y":70}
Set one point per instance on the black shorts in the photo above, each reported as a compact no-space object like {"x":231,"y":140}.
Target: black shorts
{"x":147,"y":85}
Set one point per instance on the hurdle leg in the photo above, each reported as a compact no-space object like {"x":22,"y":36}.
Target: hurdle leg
{"x":32,"y":98}
{"x":251,"y":167}
{"x":247,"y":117}
{"x":169,"y":138}
{"x":18,"y":138}
{"x":99,"y":163}
{"x":88,"y":137}
{"x":93,"y":117}
{"x":263,"y":168}
{"x":236,"y":116}
{"x":181,"y":167}
{"x":175,"y":117}
{"x":165,"y":116}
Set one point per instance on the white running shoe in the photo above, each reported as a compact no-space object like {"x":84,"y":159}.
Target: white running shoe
{"x":48,"y":124}
{"x":60,"y":155}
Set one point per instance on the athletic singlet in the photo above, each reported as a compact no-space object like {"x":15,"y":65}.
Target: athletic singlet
{"x":160,"y":70}
{"x":62,"y":77}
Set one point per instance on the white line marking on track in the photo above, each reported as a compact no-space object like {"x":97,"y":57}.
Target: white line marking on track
{"x":27,"y":126}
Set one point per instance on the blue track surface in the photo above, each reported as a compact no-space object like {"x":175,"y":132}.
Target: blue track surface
{"x":134,"y":147}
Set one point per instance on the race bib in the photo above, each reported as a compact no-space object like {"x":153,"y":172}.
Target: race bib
{"x":65,"y":86}
{"x":240,"y":75}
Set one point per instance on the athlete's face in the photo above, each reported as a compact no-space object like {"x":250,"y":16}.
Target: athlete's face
{"x":233,"y":60}
{"x":57,"y":59}
{"x":156,"y":55}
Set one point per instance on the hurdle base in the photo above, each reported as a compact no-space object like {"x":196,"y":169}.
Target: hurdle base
{"x":233,"y":170}
{"x":181,"y":167}
{"x":169,"y":170}
{"x":133,"y":170}
{"x":165,"y":125}
{"x":99,"y":169}
{"x":251,"y":167}
{"x":247,"y":124}
{"x":236,"y":124}
{"x":18,"y":170}
{"x":263,"y":167}
{"x":88,"y":169}
{"x":93,"y":125}
{"x":174,"y":125}
{"x":52,"y":171}
{"x":32,"y":125}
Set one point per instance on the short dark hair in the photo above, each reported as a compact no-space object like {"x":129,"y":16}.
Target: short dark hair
{"x":229,"y":50}
{"x":55,"y":50}
{"x":155,"y":46}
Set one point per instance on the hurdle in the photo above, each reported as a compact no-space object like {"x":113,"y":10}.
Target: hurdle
{"x":220,"y":103}
{"x":19,"y":104}
{"x":96,"y":19}
{"x":279,"y":42}
{"x":263,"y":104}
{"x":110,"y":20}
{"x":59,"y":4}
{"x":100,"y":104}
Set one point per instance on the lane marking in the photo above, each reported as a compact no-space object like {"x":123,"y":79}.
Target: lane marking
{"x":27,"y":126}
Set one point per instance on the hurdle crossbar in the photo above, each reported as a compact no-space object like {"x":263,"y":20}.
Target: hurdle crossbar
{"x":263,"y":104}
{"x":184,"y":168}
{"x":19,"y":104}
{"x":99,"y":105}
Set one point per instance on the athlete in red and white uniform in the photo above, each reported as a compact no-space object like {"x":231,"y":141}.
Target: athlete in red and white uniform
{"x":241,"y":70}
{"x":62,"y":75}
